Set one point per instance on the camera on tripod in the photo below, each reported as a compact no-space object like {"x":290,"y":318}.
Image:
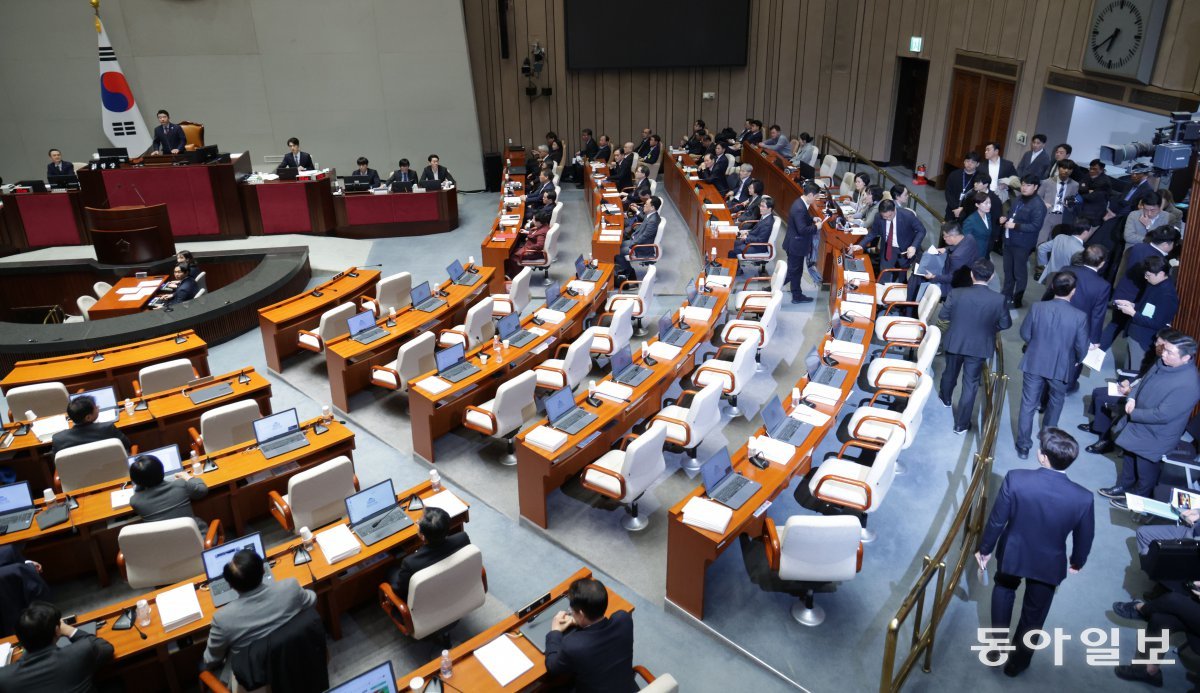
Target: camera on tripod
{"x":1170,"y":150}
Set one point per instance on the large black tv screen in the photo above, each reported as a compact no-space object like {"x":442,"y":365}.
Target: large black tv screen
{"x":624,"y":34}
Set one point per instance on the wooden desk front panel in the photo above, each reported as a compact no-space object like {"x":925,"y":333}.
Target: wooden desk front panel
{"x":280,"y":323}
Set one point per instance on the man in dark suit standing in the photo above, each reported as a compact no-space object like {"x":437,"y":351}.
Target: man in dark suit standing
{"x":998,"y":169}
{"x":363,"y":169}
{"x":1094,"y":188}
{"x":960,"y":252}
{"x":47,"y":667}
{"x":595,"y":650}
{"x":899,"y":234}
{"x":799,"y":239}
{"x":1036,"y":161}
{"x":976,"y":314}
{"x":1021,"y":229}
{"x":1092,"y":294}
{"x":1055,"y":334}
{"x":1035,"y":511}
{"x":58,"y":167}
{"x":296,"y":158}
{"x":641,"y":234}
{"x":83,"y":412}
{"x":168,"y":137}
{"x":433,"y":528}
{"x":960,"y":184}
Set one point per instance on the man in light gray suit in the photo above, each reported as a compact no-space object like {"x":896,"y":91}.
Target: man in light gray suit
{"x":156,"y":498}
{"x":1058,"y":192}
{"x":257,"y":612}
{"x":641,"y":234}
{"x":1056,"y":338}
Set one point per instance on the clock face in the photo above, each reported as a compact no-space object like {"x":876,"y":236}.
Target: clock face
{"x":1118,"y":34}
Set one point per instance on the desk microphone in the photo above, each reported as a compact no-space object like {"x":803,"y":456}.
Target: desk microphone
{"x":352,"y":273}
{"x":829,"y":361}
{"x":139,"y":193}
{"x":97,"y":357}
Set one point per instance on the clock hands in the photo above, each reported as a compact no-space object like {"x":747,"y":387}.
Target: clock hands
{"x":1113,"y":37}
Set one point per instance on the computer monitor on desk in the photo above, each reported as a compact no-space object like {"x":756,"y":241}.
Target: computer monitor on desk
{"x":106,"y":402}
{"x":121,"y":154}
{"x":357,"y":183}
{"x":381,"y":679}
{"x":67,"y":182}
{"x":33,"y":185}
{"x":431,"y":185}
{"x":287,"y":172}
{"x":402,"y":187}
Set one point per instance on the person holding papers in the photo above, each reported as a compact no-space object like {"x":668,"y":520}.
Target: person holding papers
{"x":47,"y":667}
{"x":83,"y":412}
{"x":960,"y":252}
{"x":157,"y":498}
{"x":594,"y":649}
{"x":433,"y":528}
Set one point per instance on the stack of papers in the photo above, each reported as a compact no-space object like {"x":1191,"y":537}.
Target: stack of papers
{"x":447,"y":501}
{"x":551,"y":316}
{"x":856,"y":297}
{"x":692,"y":313}
{"x":809,"y":415}
{"x":45,"y":428}
{"x":706,"y":514}
{"x":717,"y":206}
{"x":581,"y":287}
{"x":1095,"y":360}
{"x":178,"y":607}
{"x":120,"y":498}
{"x":137,"y":295}
{"x":842,"y":348}
{"x":5,"y":651}
{"x":513,"y":200}
{"x":433,"y":384}
{"x":852,"y":276}
{"x":338,"y":543}
{"x":614,"y":391}
{"x":722,"y":281}
{"x":503,"y":660}
{"x":775,"y":451}
{"x":855,"y":308}
{"x":546,"y":438}
{"x":822,"y":393}
{"x":662,"y":351}
{"x":859,"y":231}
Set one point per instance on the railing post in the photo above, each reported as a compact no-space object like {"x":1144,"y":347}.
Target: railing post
{"x":933,"y":622}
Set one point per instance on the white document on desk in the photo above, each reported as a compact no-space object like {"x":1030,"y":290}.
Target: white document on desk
{"x":120,"y":498}
{"x":551,"y":316}
{"x":135,"y":296}
{"x":127,"y":290}
{"x":446,"y":500}
{"x":663,"y":351}
{"x":503,"y":660}
{"x":581,"y":286}
{"x":1095,"y":359}
{"x":809,"y":415}
{"x":433,"y":384}
{"x":852,"y":276}
{"x":149,"y":284}
{"x":614,"y":391}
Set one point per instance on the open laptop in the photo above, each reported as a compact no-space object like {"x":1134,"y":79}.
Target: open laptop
{"x":846,"y":333}
{"x":459,"y":275}
{"x":782,"y":427}
{"x":536,"y":628}
{"x":16,"y":507}
{"x":402,"y":186}
{"x":584,"y":273}
{"x":168,"y":455}
{"x":106,"y":402}
{"x":819,"y":372}
{"x":357,"y":183}
{"x":65,"y":182}
{"x":424,"y":300}
{"x":381,"y":679}
{"x":625,"y":371}
{"x":375,"y":514}
{"x":724,"y":485}
{"x":215,"y":560}
{"x":697,"y":299}
{"x":563,"y":413}
{"x":431,"y":185}
{"x":113,"y":153}
{"x":287,"y":172}
{"x":452,"y":364}
{"x":510,"y":329}
{"x":363,"y":328}
{"x":670,"y":334}
{"x":279,"y":434}
{"x":555,"y":300}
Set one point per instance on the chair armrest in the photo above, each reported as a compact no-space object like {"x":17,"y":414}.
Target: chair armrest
{"x":553,"y":369}
{"x":640,"y":670}
{"x":685,"y":398}
{"x":732,"y":348}
{"x":746,"y":284}
{"x":395,"y":608}
{"x":560,"y":352}
{"x":770,"y":538}
{"x":906,"y":322}
{"x":611,"y":344}
{"x":57,"y":483}
{"x":885,"y":392}
{"x":749,"y":312}
{"x":893,"y":304}
{"x":642,"y":258}
{"x":603,"y":319}
{"x":849,"y":482}
{"x":898,"y":345}
{"x":639,"y":309}
{"x":215,"y":535}
{"x":630,"y":283}
{"x":899,"y":369}
{"x":461,"y":332}
{"x":687,"y":429}
{"x":496,"y":300}
{"x":210,"y":682}
{"x":770,"y":249}
{"x":137,"y":388}
{"x":491,"y":417}
{"x":197,"y":443}
{"x":534,"y":257}
{"x":380,"y":383}
{"x":902,"y":272}
{"x":860,"y":444}
{"x":723,"y":374}
{"x":365,"y":302}
{"x":304,"y":345}
{"x":878,"y":419}
{"x":747,"y":325}
{"x":134,"y":449}
{"x":280,"y":510}
{"x":598,"y":489}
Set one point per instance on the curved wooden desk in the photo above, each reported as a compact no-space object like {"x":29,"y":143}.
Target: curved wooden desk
{"x":500,"y":240}
{"x":281,"y":322}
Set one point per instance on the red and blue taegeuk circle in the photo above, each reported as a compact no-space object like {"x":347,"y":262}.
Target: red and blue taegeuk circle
{"x":115,"y":93}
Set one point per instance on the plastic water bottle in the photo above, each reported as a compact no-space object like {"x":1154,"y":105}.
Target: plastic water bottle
{"x":496,"y":343}
{"x":128,"y":407}
{"x":795,"y":396}
{"x":435,"y":480}
{"x":592,"y":389}
{"x":327,"y":414}
{"x":143,"y":613}
{"x":447,"y":669}
{"x":196,"y":468}
{"x":306,"y":538}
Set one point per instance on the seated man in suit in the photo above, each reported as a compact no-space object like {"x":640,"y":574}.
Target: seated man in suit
{"x":403,"y":174}
{"x":296,"y":158}
{"x":83,"y":412}
{"x":185,"y":287}
{"x":740,"y":192}
{"x":692,"y":142}
{"x":1154,"y":309}
{"x":604,"y":150}
{"x":259,"y":609}
{"x":778,"y":141}
{"x":587,"y":151}
{"x":21,"y":584}
{"x":435,"y":171}
{"x":655,"y":151}
{"x":58,"y":167}
{"x":433,"y":528}
{"x":761,"y":231}
{"x":156,"y":498}
{"x":715,"y":169}
{"x":46,"y":666}
{"x":534,"y":200}
{"x":642,"y":234}
{"x":960,"y":251}
{"x":641,"y":184}
{"x":363,"y":170}
{"x":168,"y":137}
{"x":899,"y":233}
{"x":595,"y":650}
{"x":620,"y":171}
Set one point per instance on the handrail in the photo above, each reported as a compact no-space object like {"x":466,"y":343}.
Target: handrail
{"x":856,"y":157}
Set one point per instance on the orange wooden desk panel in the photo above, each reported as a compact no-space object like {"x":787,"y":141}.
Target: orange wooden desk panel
{"x":110,"y":304}
{"x":119,"y":366}
{"x":470,"y":674}
{"x":436,"y":414}
{"x":597,"y":192}
{"x":349,"y":363}
{"x":280,"y":322}
{"x":690,"y":196}
{"x":492,"y":251}
{"x":690,"y":550}
{"x":540,"y":471}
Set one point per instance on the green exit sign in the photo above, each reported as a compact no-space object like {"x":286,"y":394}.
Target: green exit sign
{"x":915,"y":43}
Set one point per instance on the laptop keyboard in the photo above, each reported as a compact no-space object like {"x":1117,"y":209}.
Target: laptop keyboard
{"x":218,"y":588}
{"x":632,"y":375}
{"x":370,"y":335}
{"x":848,"y":334}
{"x":466,"y":279}
{"x":458,"y":371}
{"x":520,"y":338}
{"x":704,"y":302}
{"x":205,"y":394}
{"x":430,"y":304}
{"x":730,"y":489}
{"x":283,"y":444}
{"x":590,"y":275}
{"x":22,"y":520}
{"x":787,"y":430}
{"x":561,"y":304}
{"x":676,"y":337}
{"x":569,"y":423}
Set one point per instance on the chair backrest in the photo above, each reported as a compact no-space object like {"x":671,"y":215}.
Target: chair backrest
{"x":101,"y":288}
{"x":847,"y":186}
{"x":416,"y":356}
{"x":816,"y":155}
{"x":166,"y":376}
{"x":232,"y":424}
{"x":883,"y":468}
{"x":664,"y":683}
{"x":644,"y":461}
{"x":658,"y":236}
{"x":928,"y":348}
{"x":929,"y":302}
{"x":394,"y":291}
{"x":551,"y":246}
{"x":730,"y":165}
{"x":636,"y":159}
{"x":704,"y":413}
{"x":317,"y":496}
{"x":916,"y":401}
{"x":85,"y":303}
{"x":44,"y":399}
{"x":478,"y":325}
{"x":199,"y":293}
{"x":518,"y":291}
{"x":779,"y":275}
{"x":770,"y":315}
{"x":446,"y":591}
{"x":743,"y":361}
{"x":91,"y":463}
{"x":776,"y":229}
{"x":828,"y":165}
{"x":202,"y":280}
{"x":653,"y":187}
{"x":620,"y":330}
{"x":646,"y":288}
{"x":578,"y":360}
{"x":161,"y":553}
{"x":514,"y":402}
{"x":193,"y":133}
{"x":558,"y":205}
{"x":819,"y":548}
{"x":334,"y":321}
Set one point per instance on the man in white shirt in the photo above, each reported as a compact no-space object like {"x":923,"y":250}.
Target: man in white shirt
{"x":997,"y":169}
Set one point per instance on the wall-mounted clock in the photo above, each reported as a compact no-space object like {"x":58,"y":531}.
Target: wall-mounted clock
{"x":1123,"y":36}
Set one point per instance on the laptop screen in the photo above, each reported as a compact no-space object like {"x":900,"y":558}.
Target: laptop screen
{"x":216,"y":558}
{"x":508,"y":325}
{"x":168,"y":455}
{"x":715,"y":469}
{"x":420,"y":292}
{"x":622,"y":359}
{"x":455,"y":270}
{"x":106,"y":397}
{"x":377,"y":680}
{"x":449,"y":357}
{"x":691,"y":293}
{"x":361,"y":322}
{"x":366,"y":503}
{"x":15,"y":497}
{"x":812,"y":362}
{"x":559,"y":404}
{"x":772,"y":413}
{"x":553,"y":291}
{"x":580,"y":267}
{"x":276,"y":425}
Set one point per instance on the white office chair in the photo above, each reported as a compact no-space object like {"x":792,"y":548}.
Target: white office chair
{"x":625,"y":474}
{"x":646,"y":254}
{"x":199,"y":293}
{"x":567,"y":370}
{"x":690,"y":419}
{"x":813,"y":549}
{"x":502,"y":416}
{"x":85,"y":303}
{"x":641,"y":300}
{"x":663,"y":683}
{"x":90,"y":464}
{"x":101,"y":288}
{"x":816,"y":155}
{"x":654,"y":167}
{"x":393,"y":291}
{"x":164,"y":376}
{"x":477,"y":329}
{"x":164,"y":552}
{"x":846,"y":189}
{"x":898,"y":374}
{"x":887,"y":292}
{"x":856,"y":486}
{"x":333,"y":324}
{"x":828,"y":170}
{"x":43,"y":399}
{"x":555,"y":211}
{"x":653,"y":187}
{"x":517,"y":297}
{"x":756,"y":299}
{"x":875,"y":423}
{"x":732,"y":368}
{"x":315,"y":497}
{"x":438,"y":596}
{"x":898,"y":328}
{"x":613,"y":330}
{"x":202,"y":281}
{"x":550,"y":251}
{"x":414,"y":358}
{"x":759,"y":254}
{"x":759,"y":330}
{"x":225,"y":427}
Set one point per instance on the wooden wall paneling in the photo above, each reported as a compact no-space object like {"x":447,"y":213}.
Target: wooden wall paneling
{"x":815,"y":77}
{"x":1070,"y":54}
{"x":1181,"y":59}
{"x":542,"y":109}
{"x":1188,"y":317}
{"x":789,"y":16}
{"x":1164,"y":70}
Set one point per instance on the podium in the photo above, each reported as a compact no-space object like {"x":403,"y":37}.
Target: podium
{"x":130,"y":235}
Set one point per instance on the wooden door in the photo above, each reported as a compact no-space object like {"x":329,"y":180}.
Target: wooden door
{"x":980,"y":109}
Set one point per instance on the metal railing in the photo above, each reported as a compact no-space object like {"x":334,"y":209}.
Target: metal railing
{"x":962,"y":538}
{"x":848,"y":152}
